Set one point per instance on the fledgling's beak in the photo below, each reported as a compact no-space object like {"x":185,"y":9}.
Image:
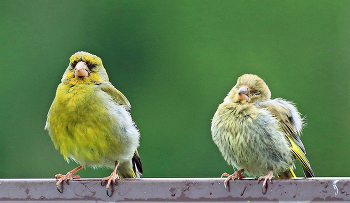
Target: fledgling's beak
{"x":81,"y":70}
{"x":242,"y":94}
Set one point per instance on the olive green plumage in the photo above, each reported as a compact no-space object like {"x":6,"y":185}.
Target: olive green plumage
{"x":258,"y":134}
{"x":89,"y":120}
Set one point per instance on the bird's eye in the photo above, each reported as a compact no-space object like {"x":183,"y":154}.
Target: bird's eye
{"x":73,"y":64}
{"x":255,"y":93}
{"x":91,"y":66}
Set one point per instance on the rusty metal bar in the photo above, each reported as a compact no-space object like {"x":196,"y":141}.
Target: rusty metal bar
{"x":179,"y":189}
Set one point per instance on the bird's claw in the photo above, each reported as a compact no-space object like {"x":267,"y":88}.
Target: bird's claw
{"x":65,"y":178}
{"x":224,"y":174}
{"x":60,"y":188}
{"x":110,"y":179}
{"x":269,"y":176}
{"x":234,"y":176}
{"x":109,"y":195}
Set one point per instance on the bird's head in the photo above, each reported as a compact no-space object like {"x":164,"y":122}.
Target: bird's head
{"x":249,"y":88}
{"x":85,"y":68}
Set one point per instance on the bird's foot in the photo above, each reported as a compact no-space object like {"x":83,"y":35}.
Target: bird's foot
{"x":234,"y":176}
{"x":113,"y":177}
{"x":66,"y":178}
{"x":269,"y":176}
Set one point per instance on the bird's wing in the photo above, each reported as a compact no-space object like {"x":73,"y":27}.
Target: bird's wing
{"x":288,"y":118}
{"x":291,"y":125}
{"x":302,"y":158}
{"x":136,"y":162}
{"x":115,"y":94}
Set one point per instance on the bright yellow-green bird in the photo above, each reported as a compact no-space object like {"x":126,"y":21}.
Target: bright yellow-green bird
{"x":89,"y":122}
{"x":258,"y":135}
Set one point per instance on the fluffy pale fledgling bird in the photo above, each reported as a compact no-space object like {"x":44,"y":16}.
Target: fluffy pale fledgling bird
{"x":258,"y":135}
{"x":89,"y":121}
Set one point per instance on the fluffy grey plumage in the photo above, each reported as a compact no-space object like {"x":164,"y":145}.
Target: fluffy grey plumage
{"x":251,"y":141}
{"x":257,"y":134}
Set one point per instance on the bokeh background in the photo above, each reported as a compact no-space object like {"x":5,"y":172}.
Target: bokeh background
{"x":175,"y":61}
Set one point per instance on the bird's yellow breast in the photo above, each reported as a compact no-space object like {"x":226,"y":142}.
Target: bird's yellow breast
{"x":80,"y":124}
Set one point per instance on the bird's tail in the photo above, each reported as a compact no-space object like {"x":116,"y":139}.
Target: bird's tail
{"x":287,"y":174}
{"x":308,"y":172}
{"x":131,"y":169}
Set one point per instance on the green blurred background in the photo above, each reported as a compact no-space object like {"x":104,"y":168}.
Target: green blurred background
{"x":175,"y":61}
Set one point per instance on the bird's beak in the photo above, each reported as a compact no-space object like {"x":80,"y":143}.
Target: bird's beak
{"x":81,"y":70}
{"x":242,"y":94}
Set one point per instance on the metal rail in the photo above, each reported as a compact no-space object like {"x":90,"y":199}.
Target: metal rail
{"x":179,"y":189}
